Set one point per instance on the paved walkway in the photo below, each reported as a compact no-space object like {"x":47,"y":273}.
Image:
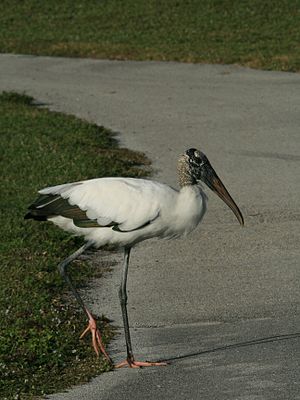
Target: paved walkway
{"x":223,"y":304}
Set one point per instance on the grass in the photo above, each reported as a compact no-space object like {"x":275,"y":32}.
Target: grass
{"x":259,"y":34}
{"x":40,"y":350}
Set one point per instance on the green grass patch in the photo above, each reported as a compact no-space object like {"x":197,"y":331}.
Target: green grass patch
{"x":40,"y":350}
{"x":259,"y":34}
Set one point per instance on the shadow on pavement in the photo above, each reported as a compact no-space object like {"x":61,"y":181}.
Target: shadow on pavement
{"x":270,"y":339}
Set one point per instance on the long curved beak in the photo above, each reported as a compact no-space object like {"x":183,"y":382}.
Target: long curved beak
{"x":215,"y":184}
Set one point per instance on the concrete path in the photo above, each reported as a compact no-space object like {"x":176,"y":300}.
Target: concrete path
{"x":223,"y":304}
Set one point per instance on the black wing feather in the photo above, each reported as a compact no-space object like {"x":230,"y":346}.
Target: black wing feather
{"x":49,"y":205}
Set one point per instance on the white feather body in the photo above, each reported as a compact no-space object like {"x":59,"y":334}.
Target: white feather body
{"x":131,"y":203}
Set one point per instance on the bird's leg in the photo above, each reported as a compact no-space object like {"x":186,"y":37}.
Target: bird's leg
{"x":130,"y":361}
{"x":92,"y":325}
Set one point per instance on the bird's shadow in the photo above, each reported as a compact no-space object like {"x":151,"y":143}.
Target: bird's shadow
{"x":268,"y":339}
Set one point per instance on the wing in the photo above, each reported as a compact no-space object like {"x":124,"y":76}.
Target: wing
{"x":125,"y":204}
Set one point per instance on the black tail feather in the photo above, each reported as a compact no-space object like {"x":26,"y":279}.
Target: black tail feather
{"x":29,"y":215}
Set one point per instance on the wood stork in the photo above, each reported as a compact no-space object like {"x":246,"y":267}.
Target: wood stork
{"x":125,"y":211}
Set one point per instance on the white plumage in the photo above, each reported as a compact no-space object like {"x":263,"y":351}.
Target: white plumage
{"x":121,"y":212}
{"x":141,"y":208}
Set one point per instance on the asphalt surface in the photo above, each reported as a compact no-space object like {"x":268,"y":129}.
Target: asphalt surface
{"x":223,"y":304}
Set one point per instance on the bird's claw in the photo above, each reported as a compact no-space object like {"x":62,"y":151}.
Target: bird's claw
{"x":96,"y":338}
{"x":139,"y":364}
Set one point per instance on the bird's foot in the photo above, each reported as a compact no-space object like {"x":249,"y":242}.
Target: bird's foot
{"x":131,"y":363}
{"x":96,"y":337}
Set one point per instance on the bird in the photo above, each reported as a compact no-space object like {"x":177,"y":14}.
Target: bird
{"x":121,"y":212}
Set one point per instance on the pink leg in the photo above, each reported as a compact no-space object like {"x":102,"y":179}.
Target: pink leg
{"x":96,"y":337}
{"x":92,"y":326}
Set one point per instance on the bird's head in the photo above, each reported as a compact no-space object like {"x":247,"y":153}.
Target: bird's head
{"x":198,"y":168}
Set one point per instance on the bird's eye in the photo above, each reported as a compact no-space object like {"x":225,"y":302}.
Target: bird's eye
{"x":199,"y":158}
{"x":196,"y":158}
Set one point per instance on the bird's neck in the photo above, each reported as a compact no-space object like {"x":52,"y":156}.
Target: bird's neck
{"x":189,"y":209}
{"x":185,"y":177}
